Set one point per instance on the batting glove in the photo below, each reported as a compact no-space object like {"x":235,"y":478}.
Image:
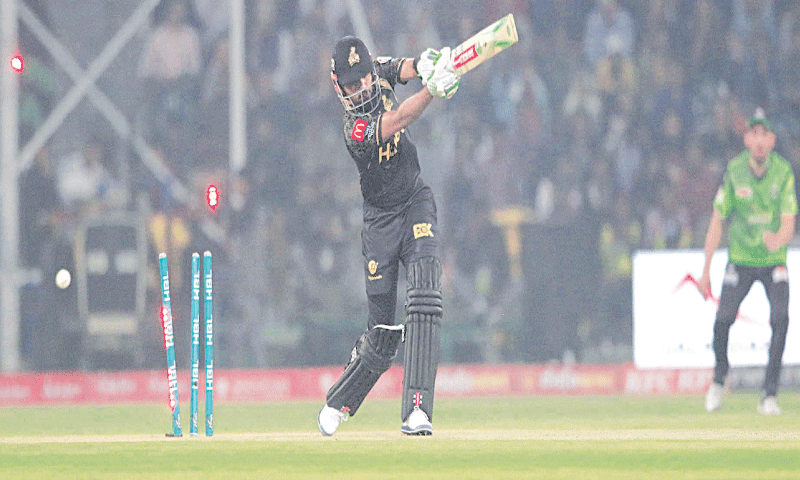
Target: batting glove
{"x":443,"y":84}
{"x":425,"y":64}
{"x":445,"y":60}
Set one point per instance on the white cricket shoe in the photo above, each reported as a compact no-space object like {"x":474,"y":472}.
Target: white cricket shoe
{"x":769,"y":406}
{"x":329,"y":420}
{"x":714,"y":397}
{"x":417,"y":423}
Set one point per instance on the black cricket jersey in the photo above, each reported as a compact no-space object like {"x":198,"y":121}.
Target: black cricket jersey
{"x":388,"y":167}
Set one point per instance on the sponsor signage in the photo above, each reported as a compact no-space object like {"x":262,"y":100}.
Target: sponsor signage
{"x":673,"y":324}
{"x":311,"y":384}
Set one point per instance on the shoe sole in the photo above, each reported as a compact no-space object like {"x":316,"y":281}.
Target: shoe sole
{"x":768,"y":413}
{"x":319,"y":425}
{"x":420,"y":431}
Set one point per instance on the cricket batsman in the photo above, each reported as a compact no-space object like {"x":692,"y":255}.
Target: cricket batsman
{"x":399,"y":226}
{"x":758,"y":197}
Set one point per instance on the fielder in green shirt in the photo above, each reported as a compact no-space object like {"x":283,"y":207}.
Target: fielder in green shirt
{"x":758,"y":199}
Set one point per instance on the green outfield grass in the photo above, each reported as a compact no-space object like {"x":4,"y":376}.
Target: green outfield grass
{"x":543,"y":438}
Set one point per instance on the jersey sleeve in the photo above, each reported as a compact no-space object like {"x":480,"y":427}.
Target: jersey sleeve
{"x":789,"y":196}
{"x":389,"y":68}
{"x":723,"y":201}
{"x":360,"y":136}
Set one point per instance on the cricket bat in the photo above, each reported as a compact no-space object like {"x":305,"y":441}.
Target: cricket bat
{"x":485,"y":44}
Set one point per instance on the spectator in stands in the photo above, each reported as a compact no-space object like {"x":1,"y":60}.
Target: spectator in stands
{"x":87,"y":179}
{"x":616,"y":73}
{"x":170,"y":68}
{"x":704,"y":62}
{"x":213,"y":109}
{"x":39,"y":205}
{"x":719,"y":137}
{"x":752,"y":15}
{"x":214,"y":17}
{"x":789,"y":80}
{"x":172,"y":51}
{"x":788,"y":25}
{"x":622,"y":147}
{"x":620,"y":236}
{"x":583,"y":96}
{"x":668,"y":224}
{"x":668,"y":16}
{"x":608,"y":20}
{"x":753,"y":47}
{"x":39,"y":86}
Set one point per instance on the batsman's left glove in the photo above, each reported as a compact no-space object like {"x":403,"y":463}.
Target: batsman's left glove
{"x":443,"y":84}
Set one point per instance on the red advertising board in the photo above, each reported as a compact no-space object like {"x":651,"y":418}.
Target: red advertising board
{"x":64,"y":388}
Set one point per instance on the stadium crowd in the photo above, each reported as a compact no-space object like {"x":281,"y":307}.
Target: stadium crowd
{"x":605,"y":130}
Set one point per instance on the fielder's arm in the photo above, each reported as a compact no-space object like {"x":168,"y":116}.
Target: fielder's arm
{"x":713,"y":237}
{"x":775,"y":240}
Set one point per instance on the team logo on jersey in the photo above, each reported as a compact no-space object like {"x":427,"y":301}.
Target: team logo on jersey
{"x":372,"y":266}
{"x":359,"y":128}
{"x":388,"y":104}
{"x":422,"y":230}
{"x":353,"y":58}
{"x":385,"y":84}
{"x":744,"y":192}
{"x":764,"y":218}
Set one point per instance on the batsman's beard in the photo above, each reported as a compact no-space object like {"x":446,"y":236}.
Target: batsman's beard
{"x":363,"y":102}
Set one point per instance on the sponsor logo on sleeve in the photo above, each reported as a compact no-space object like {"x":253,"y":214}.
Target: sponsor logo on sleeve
{"x":359,"y":128}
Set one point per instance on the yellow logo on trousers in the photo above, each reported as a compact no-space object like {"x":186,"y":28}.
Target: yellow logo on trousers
{"x":372,"y":266}
{"x":422,"y":230}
